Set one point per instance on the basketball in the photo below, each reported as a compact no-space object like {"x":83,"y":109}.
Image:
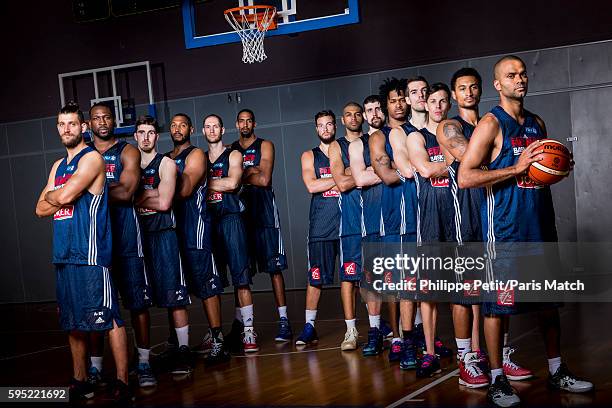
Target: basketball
{"x":554,"y":166}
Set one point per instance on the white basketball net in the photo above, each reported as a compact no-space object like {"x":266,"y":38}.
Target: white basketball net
{"x":252,"y":30}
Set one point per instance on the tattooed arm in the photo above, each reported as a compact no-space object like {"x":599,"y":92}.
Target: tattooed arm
{"x":450,"y":137}
{"x":381,"y":162}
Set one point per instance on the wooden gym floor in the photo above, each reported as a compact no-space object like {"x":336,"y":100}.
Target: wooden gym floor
{"x":36,"y":353}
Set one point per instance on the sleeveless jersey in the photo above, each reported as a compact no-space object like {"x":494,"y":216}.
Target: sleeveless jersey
{"x":517,"y":209}
{"x":324,"y":214}
{"x":371,"y":197}
{"x":191,"y":216}
{"x":467,"y":202}
{"x":153,"y":220}
{"x":260,"y":203}
{"x":81,"y":230}
{"x":435,"y":201}
{"x":124,"y":222}
{"x":393,"y":206}
{"x":222,"y":203}
{"x":410,"y":201}
{"x":350,"y":201}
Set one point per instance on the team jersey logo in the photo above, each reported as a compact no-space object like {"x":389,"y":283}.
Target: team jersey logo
{"x":216,"y":173}
{"x":331,"y":194}
{"x":248,"y":159}
{"x":324,"y":172}
{"x":436,"y":156}
{"x":64,"y":213}
{"x":387,"y":277}
{"x":145,"y":211}
{"x":110,"y":171}
{"x":315,"y":273}
{"x":147,"y":182}
{"x":439,"y":181}
{"x":350,"y":268}
{"x":471,"y":291}
{"x":214,"y":197}
{"x":505,"y":297}
{"x":524,"y":181}
{"x":520,"y":143}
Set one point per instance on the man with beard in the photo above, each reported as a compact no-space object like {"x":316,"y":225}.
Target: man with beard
{"x":506,"y":141}
{"x":350,"y":224}
{"x":229,"y":234}
{"x":193,"y":228}
{"x":261,"y":217}
{"x":324,"y":220}
{"x":371,"y":194}
{"x":76,"y":195}
{"x":435,"y":208}
{"x":154,"y":207}
{"x":122,"y":162}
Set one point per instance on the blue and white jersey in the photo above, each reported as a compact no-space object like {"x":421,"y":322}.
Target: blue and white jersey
{"x":350,"y":201}
{"x":371,"y":197}
{"x":409,"y":193}
{"x":517,"y":209}
{"x":393,"y":206}
{"x":192,"y":220}
{"x":153,"y":220}
{"x":222,"y":203}
{"x":124,"y":222}
{"x":81,"y":230}
{"x":324,"y":215}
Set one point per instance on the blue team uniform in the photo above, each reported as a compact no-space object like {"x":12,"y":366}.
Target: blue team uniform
{"x":228,"y":233}
{"x":193,"y":228}
{"x":128,"y":269}
{"x":82,"y":253}
{"x":410,"y":200}
{"x":324,"y":225}
{"x":393,"y":206}
{"x":261,"y":218}
{"x":161,"y":248}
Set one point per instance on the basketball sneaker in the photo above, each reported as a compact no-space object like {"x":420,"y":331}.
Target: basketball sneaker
{"x":501,"y":393}
{"x":94,"y":377}
{"x":418,"y":338}
{"x":249,"y":340}
{"x":408,"y":360}
{"x":386,"y":330}
{"x":350,"y":340}
{"x":182,"y":361}
{"x":80,"y":390}
{"x":146,"y":378}
{"x":234,"y":337}
{"x":206,"y":345}
{"x":563,"y":379}
{"x":374,"y":345}
{"x":470,"y":374}
{"x":429,"y":366}
{"x":512,"y":370}
{"x":121,"y":394}
{"x":218,"y":353}
{"x":440,"y":349}
{"x":308,"y":335}
{"x":284,"y":331}
{"x":483,"y":362}
{"x":395,"y":352}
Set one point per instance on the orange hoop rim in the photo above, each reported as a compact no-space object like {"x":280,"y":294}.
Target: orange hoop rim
{"x":257,"y":16}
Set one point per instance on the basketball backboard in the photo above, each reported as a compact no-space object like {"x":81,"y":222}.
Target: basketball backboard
{"x":205,"y":26}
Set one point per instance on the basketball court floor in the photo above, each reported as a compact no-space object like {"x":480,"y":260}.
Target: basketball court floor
{"x":36,"y":353}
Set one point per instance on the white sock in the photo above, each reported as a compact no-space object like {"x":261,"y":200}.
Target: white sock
{"x":463,"y":346}
{"x":282,"y":312}
{"x":143,"y":355}
{"x":247,"y":315}
{"x":495,"y":372}
{"x":393,"y":340}
{"x":506,"y":335}
{"x":96,"y":362}
{"x":182,"y":334}
{"x":554,"y":364}
{"x":238,"y":314}
{"x":417,"y":318}
{"x":374,"y":321}
{"x":311,"y":315}
{"x":350,"y":324}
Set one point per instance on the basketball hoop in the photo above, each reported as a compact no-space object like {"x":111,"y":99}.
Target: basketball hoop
{"x":251,"y":23}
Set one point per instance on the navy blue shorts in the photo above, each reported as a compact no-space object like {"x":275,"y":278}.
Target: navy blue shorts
{"x":322,"y":262}
{"x":230,"y":250}
{"x":203,"y":279}
{"x":371,"y":249}
{"x":86,"y":298}
{"x":130,"y":277}
{"x":165,"y":269}
{"x":350,"y":258}
{"x":266,"y":249}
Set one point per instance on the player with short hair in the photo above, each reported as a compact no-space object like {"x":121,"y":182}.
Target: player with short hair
{"x":193,"y":227}
{"x":76,"y":195}
{"x":229,"y":234}
{"x":122,"y":162}
{"x":324,"y":220}
{"x":506,"y":141}
{"x":153,"y":203}
{"x":261,"y":217}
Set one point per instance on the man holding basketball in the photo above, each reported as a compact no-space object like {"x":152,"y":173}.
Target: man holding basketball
{"x":506,"y":141}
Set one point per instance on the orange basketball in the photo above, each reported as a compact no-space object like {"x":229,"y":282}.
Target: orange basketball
{"x":554,"y":166}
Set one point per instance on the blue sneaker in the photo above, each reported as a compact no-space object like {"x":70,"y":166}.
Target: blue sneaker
{"x":441,"y":350}
{"x":429,"y":366}
{"x":284,"y":331}
{"x":146,"y":378}
{"x":395,"y":353}
{"x":408,"y":360}
{"x":308,"y":335}
{"x":375,"y":342}
{"x":94,"y":377}
{"x":386,"y":330}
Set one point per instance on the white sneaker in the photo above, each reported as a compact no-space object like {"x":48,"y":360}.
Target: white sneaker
{"x":350,"y":340}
